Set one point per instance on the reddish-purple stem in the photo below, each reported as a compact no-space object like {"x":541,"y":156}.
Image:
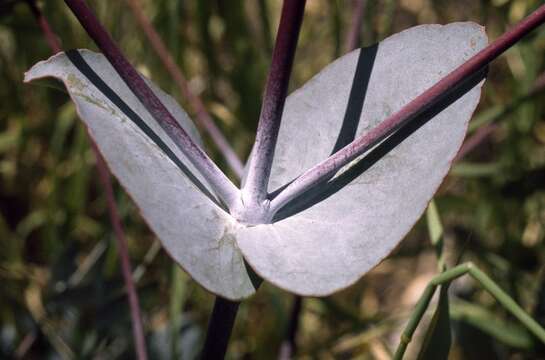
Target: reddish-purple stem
{"x":259,"y":169}
{"x":25,"y":345}
{"x":539,"y":84}
{"x":288,"y":349}
{"x":104,"y":177}
{"x":353,"y":36}
{"x":203,"y":117}
{"x":224,"y":188}
{"x":50,"y":37}
{"x":334,"y":163}
{"x":485,"y":131}
{"x":137,"y":327}
{"x":289,"y":345}
{"x":220,"y":326}
{"x":472,"y":142}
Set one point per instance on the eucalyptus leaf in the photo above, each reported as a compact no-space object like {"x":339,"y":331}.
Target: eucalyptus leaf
{"x":178,"y":204}
{"x":329,"y":237}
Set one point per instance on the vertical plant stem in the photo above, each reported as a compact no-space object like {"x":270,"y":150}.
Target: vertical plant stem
{"x":422,"y":304}
{"x":203,"y":117}
{"x":416,"y":316}
{"x":223,"y":187}
{"x":436,"y":234}
{"x":353,"y":35}
{"x":255,"y":189}
{"x":220,"y":327}
{"x":104,"y":177}
{"x":288,"y":348}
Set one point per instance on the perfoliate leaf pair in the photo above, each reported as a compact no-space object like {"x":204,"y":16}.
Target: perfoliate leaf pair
{"x":330,"y":236}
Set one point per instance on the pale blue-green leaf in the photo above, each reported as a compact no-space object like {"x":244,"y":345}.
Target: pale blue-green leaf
{"x":177,"y":203}
{"x":334,"y":234}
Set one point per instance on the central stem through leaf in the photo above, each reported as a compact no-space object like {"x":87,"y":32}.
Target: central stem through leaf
{"x":249,"y":212}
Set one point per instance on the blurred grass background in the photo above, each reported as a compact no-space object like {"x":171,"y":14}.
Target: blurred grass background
{"x":61,"y":292}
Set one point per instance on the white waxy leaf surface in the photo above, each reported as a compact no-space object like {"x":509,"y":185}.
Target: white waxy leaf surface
{"x":328,"y":246}
{"x":194,"y":230}
{"x":332,"y":235}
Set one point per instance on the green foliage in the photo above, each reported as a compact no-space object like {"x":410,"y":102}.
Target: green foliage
{"x":62,"y":293}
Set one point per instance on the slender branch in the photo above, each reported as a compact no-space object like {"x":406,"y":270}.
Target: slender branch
{"x":50,"y":36}
{"x":485,"y":131}
{"x":288,"y":348}
{"x":224,"y":188}
{"x":203,"y":117}
{"x":334,"y":163}
{"x":475,"y":140}
{"x":220,"y":327}
{"x":539,"y":84}
{"x":416,"y":316}
{"x":267,"y":132}
{"x":104,"y":177}
{"x":22,"y":349}
{"x":255,"y":189}
{"x":353,"y":36}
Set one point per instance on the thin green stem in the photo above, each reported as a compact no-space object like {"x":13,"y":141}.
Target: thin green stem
{"x":451,"y":274}
{"x":436,"y":232}
{"x":487,"y":283}
{"x":414,"y":320}
{"x":507,"y":302}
